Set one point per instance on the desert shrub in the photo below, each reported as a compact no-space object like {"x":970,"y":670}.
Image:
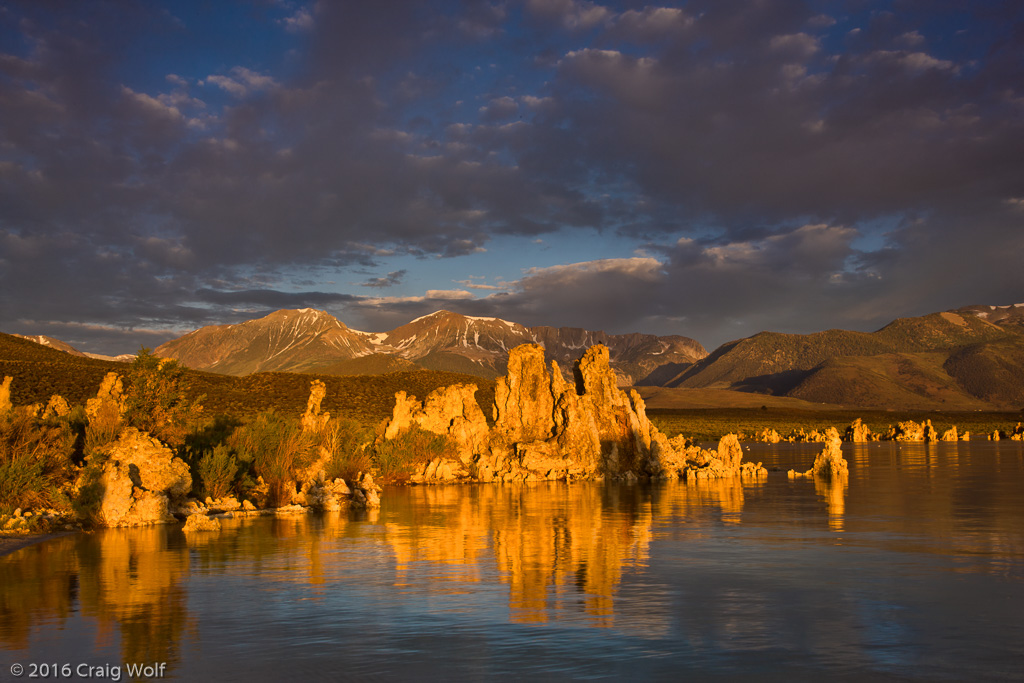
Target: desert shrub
{"x":218,"y":468}
{"x":103,"y":429}
{"x":396,"y":458}
{"x":204,"y":438}
{"x":155,"y":399}
{"x":346,"y":441}
{"x":274,"y":448}
{"x":35,"y":462}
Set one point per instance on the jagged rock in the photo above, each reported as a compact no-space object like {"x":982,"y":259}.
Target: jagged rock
{"x":108,"y":406}
{"x":523,"y":399}
{"x":201,"y":522}
{"x":57,"y":407}
{"x":950,"y":435}
{"x":1018,"y":433}
{"x":5,"y":396}
{"x":322,"y":494}
{"x":451,"y":411}
{"x":189,"y":507}
{"x":829,"y":464}
{"x":801,"y":436}
{"x":548,"y":428}
{"x":139,"y":477}
{"x":913,"y":431}
{"x":768,"y":435}
{"x":225,"y":504}
{"x":858,"y":432}
{"x":719,"y":464}
{"x":906,"y":431}
{"x":313,"y":420}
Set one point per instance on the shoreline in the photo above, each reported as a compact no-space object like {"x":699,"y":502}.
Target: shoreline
{"x":13,"y":543}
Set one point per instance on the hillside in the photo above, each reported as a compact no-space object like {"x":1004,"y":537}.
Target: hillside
{"x":314,"y":341}
{"x":52,"y":343}
{"x":40,"y":372}
{"x":953,"y":360}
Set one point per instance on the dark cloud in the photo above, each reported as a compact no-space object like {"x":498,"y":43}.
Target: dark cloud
{"x":789,"y":165}
{"x":390,"y":280}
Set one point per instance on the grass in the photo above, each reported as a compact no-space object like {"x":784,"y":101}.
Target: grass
{"x":35,"y":461}
{"x":395,"y":458}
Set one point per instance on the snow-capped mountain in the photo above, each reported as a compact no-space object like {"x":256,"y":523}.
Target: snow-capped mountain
{"x":288,"y":340}
{"x":313,"y":341}
{"x":52,"y":343}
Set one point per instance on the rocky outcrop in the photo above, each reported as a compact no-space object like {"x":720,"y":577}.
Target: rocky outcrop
{"x":56,"y":407}
{"x":950,"y":435}
{"x":5,"y":396}
{"x":450,"y":411}
{"x":829,"y":464}
{"x":321,"y":493}
{"x":137,"y":480}
{"x":768,"y":435}
{"x":313,"y":420}
{"x":726,"y":461}
{"x":200,"y":522}
{"x":108,"y":406}
{"x":858,"y":432}
{"x":546,"y":427}
{"x":906,"y":431}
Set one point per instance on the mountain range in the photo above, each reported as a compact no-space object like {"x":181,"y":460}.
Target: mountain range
{"x":967,"y":359}
{"x":308,"y":340}
{"x":970,"y":358}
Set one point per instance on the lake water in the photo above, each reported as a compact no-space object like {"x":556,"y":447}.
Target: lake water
{"x":913,"y":569}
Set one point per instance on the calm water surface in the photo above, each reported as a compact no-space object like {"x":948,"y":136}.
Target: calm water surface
{"x":913,"y":569}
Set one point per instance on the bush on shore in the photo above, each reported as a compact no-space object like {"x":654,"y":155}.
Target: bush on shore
{"x":274,"y":448}
{"x":35,"y":461}
{"x":346,"y":442}
{"x":396,"y":458}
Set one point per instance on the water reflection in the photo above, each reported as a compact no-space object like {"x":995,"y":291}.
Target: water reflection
{"x":833,"y":491}
{"x":554,"y":545}
{"x":846,"y":570}
{"x":130,"y":582}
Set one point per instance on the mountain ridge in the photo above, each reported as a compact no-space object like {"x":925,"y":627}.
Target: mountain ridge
{"x":957,"y":359}
{"x":971,"y":358}
{"x":306,"y":340}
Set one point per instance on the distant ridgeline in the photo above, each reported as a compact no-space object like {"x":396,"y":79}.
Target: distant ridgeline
{"x":968,"y":359}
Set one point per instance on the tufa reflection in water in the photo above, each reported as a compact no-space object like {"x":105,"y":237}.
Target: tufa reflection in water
{"x":707,"y":574}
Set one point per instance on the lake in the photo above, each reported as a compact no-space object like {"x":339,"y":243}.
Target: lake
{"x":912,"y":569}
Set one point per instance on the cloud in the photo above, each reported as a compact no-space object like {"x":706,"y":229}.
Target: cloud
{"x":752,"y":150}
{"x":499,"y":109}
{"x":242,"y":81}
{"x":299,"y":22}
{"x":574,"y":15}
{"x":390,"y":280}
{"x":651,"y":24}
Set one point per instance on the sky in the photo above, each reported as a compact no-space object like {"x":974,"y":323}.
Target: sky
{"x":706,"y":168}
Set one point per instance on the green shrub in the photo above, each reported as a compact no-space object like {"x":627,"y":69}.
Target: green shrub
{"x":346,"y":441}
{"x":396,"y":458}
{"x":274,"y":448}
{"x":155,"y":399}
{"x":35,"y":462}
{"x":217,"y":469}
